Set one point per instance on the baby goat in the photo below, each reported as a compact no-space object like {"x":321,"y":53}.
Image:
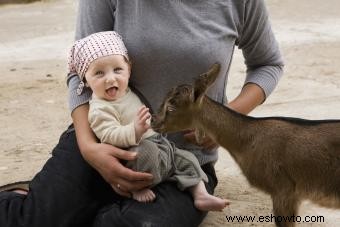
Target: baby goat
{"x":291,"y":159}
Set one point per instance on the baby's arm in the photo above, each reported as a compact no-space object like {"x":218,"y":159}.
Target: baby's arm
{"x":141,"y":122}
{"x":105,"y":123}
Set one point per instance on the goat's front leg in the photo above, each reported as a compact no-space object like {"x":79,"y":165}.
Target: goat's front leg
{"x":285,"y":208}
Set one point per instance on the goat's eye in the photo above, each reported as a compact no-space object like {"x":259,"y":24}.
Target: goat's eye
{"x":170,"y":109}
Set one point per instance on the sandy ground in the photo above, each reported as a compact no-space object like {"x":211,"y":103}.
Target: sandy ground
{"x":34,"y":40}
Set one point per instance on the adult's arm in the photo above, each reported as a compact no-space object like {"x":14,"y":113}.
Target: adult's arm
{"x":262,"y":57}
{"x":249,"y":98}
{"x":260,"y":48}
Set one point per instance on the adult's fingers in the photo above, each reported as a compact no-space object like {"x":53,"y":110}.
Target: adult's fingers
{"x":130,"y":186}
{"x":129,"y":180}
{"x":206,"y":142}
{"x":189,"y":136}
{"x":209,"y":144}
{"x":123,"y":154}
{"x":117,"y":189}
{"x":130,"y":175}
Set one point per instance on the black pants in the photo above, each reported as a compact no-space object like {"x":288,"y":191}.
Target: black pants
{"x":67,"y":192}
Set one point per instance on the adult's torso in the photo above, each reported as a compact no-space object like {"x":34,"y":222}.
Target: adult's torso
{"x":171,"y":42}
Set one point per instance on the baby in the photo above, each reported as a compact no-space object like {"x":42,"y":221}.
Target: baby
{"x":118,"y":117}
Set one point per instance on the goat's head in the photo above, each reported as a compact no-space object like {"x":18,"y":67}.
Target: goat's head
{"x":182,"y":102}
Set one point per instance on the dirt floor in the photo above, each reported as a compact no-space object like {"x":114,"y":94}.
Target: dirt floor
{"x":34,"y":40}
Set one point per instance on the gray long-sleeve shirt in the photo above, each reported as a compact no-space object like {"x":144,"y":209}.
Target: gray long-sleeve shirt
{"x":171,"y":42}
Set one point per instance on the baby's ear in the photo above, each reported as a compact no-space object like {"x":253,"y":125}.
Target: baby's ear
{"x":129,"y":62}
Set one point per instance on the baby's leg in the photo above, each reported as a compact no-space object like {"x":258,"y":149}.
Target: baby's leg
{"x":151,"y":158}
{"x":148,"y":160}
{"x":204,"y":201}
{"x":145,"y":195}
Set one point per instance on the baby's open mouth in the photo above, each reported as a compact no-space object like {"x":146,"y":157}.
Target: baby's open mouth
{"x":112,"y":91}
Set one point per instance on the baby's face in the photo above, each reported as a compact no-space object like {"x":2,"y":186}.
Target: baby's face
{"x":108,"y":77}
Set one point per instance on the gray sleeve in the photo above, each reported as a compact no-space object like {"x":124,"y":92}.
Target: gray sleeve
{"x":260,"y":48}
{"x":93,"y":16}
{"x":75,"y":100}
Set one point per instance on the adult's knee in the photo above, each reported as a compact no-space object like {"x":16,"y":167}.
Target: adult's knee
{"x":130,"y":215}
{"x":172,"y":208}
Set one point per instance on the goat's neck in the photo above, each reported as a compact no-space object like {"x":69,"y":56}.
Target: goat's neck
{"x":225,"y":126}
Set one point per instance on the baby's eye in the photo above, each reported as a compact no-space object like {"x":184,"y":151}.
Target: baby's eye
{"x":99,"y":73}
{"x":118,"y":69}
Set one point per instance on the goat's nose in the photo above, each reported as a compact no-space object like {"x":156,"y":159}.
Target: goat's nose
{"x":154,"y":120}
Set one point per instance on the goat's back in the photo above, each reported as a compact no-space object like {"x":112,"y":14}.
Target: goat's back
{"x":301,"y":153}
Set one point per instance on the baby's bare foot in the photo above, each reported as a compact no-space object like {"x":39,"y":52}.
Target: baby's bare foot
{"x":144,"y":195}
{"x":209,"y":202}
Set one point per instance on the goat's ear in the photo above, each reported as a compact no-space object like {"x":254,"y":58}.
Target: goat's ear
{"x":205,"y":80}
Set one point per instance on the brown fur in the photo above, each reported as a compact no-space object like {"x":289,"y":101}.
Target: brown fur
{"x":291,"y":159}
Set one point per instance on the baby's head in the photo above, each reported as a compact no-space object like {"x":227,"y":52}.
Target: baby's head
{"x":102,"y":63}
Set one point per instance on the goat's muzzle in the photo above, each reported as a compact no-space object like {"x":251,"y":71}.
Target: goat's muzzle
{"x":156,"y":124}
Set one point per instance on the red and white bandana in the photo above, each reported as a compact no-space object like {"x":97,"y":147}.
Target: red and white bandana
{"x":88,"y":49}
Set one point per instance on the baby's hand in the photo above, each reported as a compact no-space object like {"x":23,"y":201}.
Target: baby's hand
{"x":141,"y":122}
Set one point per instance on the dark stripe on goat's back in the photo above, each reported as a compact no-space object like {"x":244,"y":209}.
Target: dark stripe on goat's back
{"x":301,"y":121}
{"x":294,"y":120}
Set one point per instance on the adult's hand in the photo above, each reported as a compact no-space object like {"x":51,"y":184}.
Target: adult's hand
{"x":105,"y":159}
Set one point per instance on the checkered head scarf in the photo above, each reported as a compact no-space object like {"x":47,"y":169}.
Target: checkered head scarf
{"x":88,"y":49}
